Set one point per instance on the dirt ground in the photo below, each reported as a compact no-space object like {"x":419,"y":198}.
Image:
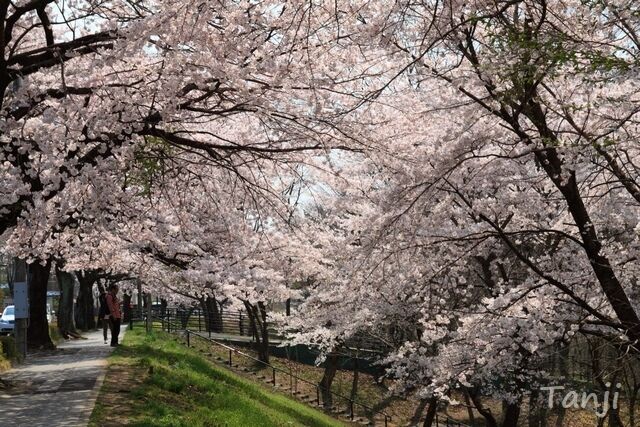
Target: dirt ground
{"x":114,"y":401}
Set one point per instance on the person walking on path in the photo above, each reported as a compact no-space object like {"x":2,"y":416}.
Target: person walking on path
{"x":103,"y":313}
{"x":115,"y":315}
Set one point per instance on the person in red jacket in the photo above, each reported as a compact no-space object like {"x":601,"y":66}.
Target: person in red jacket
{"x":115,"y":315}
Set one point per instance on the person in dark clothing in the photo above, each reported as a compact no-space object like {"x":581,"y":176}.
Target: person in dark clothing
{"x":115,"y":316}
{"x":103,"y":313}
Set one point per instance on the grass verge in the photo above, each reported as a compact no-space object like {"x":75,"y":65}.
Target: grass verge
{"x":8,"y":352}
{"x":5,"y":364}
{"x":154,"y":381}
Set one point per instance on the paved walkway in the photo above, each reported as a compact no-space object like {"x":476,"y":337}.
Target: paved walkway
{"x":57,"y":388}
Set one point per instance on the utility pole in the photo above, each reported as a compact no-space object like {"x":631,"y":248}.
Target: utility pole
{"x":21,"y":303}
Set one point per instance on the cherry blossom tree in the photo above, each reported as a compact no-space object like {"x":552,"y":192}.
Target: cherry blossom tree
{"x":85,"y":83}
{"x":507,"y":222}
{"x":459,"y":178}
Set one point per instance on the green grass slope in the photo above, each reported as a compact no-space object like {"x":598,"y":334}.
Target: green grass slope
{"x":181,"y":388}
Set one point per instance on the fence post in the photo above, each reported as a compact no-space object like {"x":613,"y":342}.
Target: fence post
{"x":188,"y":340}
{"x":199,"y":321}
{"x":351,"y":409}
{"x":230,"y":363}
{"x":318,"y":395}
{"x":274,"y":377}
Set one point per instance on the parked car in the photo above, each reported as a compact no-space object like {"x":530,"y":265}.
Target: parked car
{"x":7,"y":320}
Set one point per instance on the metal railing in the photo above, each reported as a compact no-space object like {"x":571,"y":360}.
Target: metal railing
{"x":275,"y":371}
{"x":443,"y":420}
{"x":225,"y":322}
{"x":238,"y":323}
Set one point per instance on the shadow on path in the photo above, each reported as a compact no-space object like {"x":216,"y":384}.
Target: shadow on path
{"x":57,"y":388}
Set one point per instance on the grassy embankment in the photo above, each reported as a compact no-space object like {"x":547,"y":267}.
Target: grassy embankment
{"x":154,"y":381}
{"x":375,"y":395}
{"x":7,"y":348}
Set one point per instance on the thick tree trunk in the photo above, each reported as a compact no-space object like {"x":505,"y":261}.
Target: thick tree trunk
{"x":600,"y":377}
{"x":565,"y":181}
{"x":614,"y":418}
{"x":561,"y":369}
{"x":560,"y":414}
{"x":431,"y":412}
{"x":537,"y":412}
{"x":471,"y":416}
{"x":490,"y":420}
{"x":417,"y":413}
{"x":354,"y":382}
{"x":261,"y":315}
{"x":206,"y":312}
{"x":126,"y":307}
{"x":85,"y":307}
{"x":252,"y":322}
{"x":38,"y":330}
{"x":183,"y":315}
{"x":212,"y":314}
{"x":511,"y":414}
{"x":140,"y":312}
{"x":163,"y":306}
{"x":633,"y":399}
{"x":330,"y":369}
{"x":148,"y":305}
{"x":258,"y":321}
{"x":66,"y":322}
